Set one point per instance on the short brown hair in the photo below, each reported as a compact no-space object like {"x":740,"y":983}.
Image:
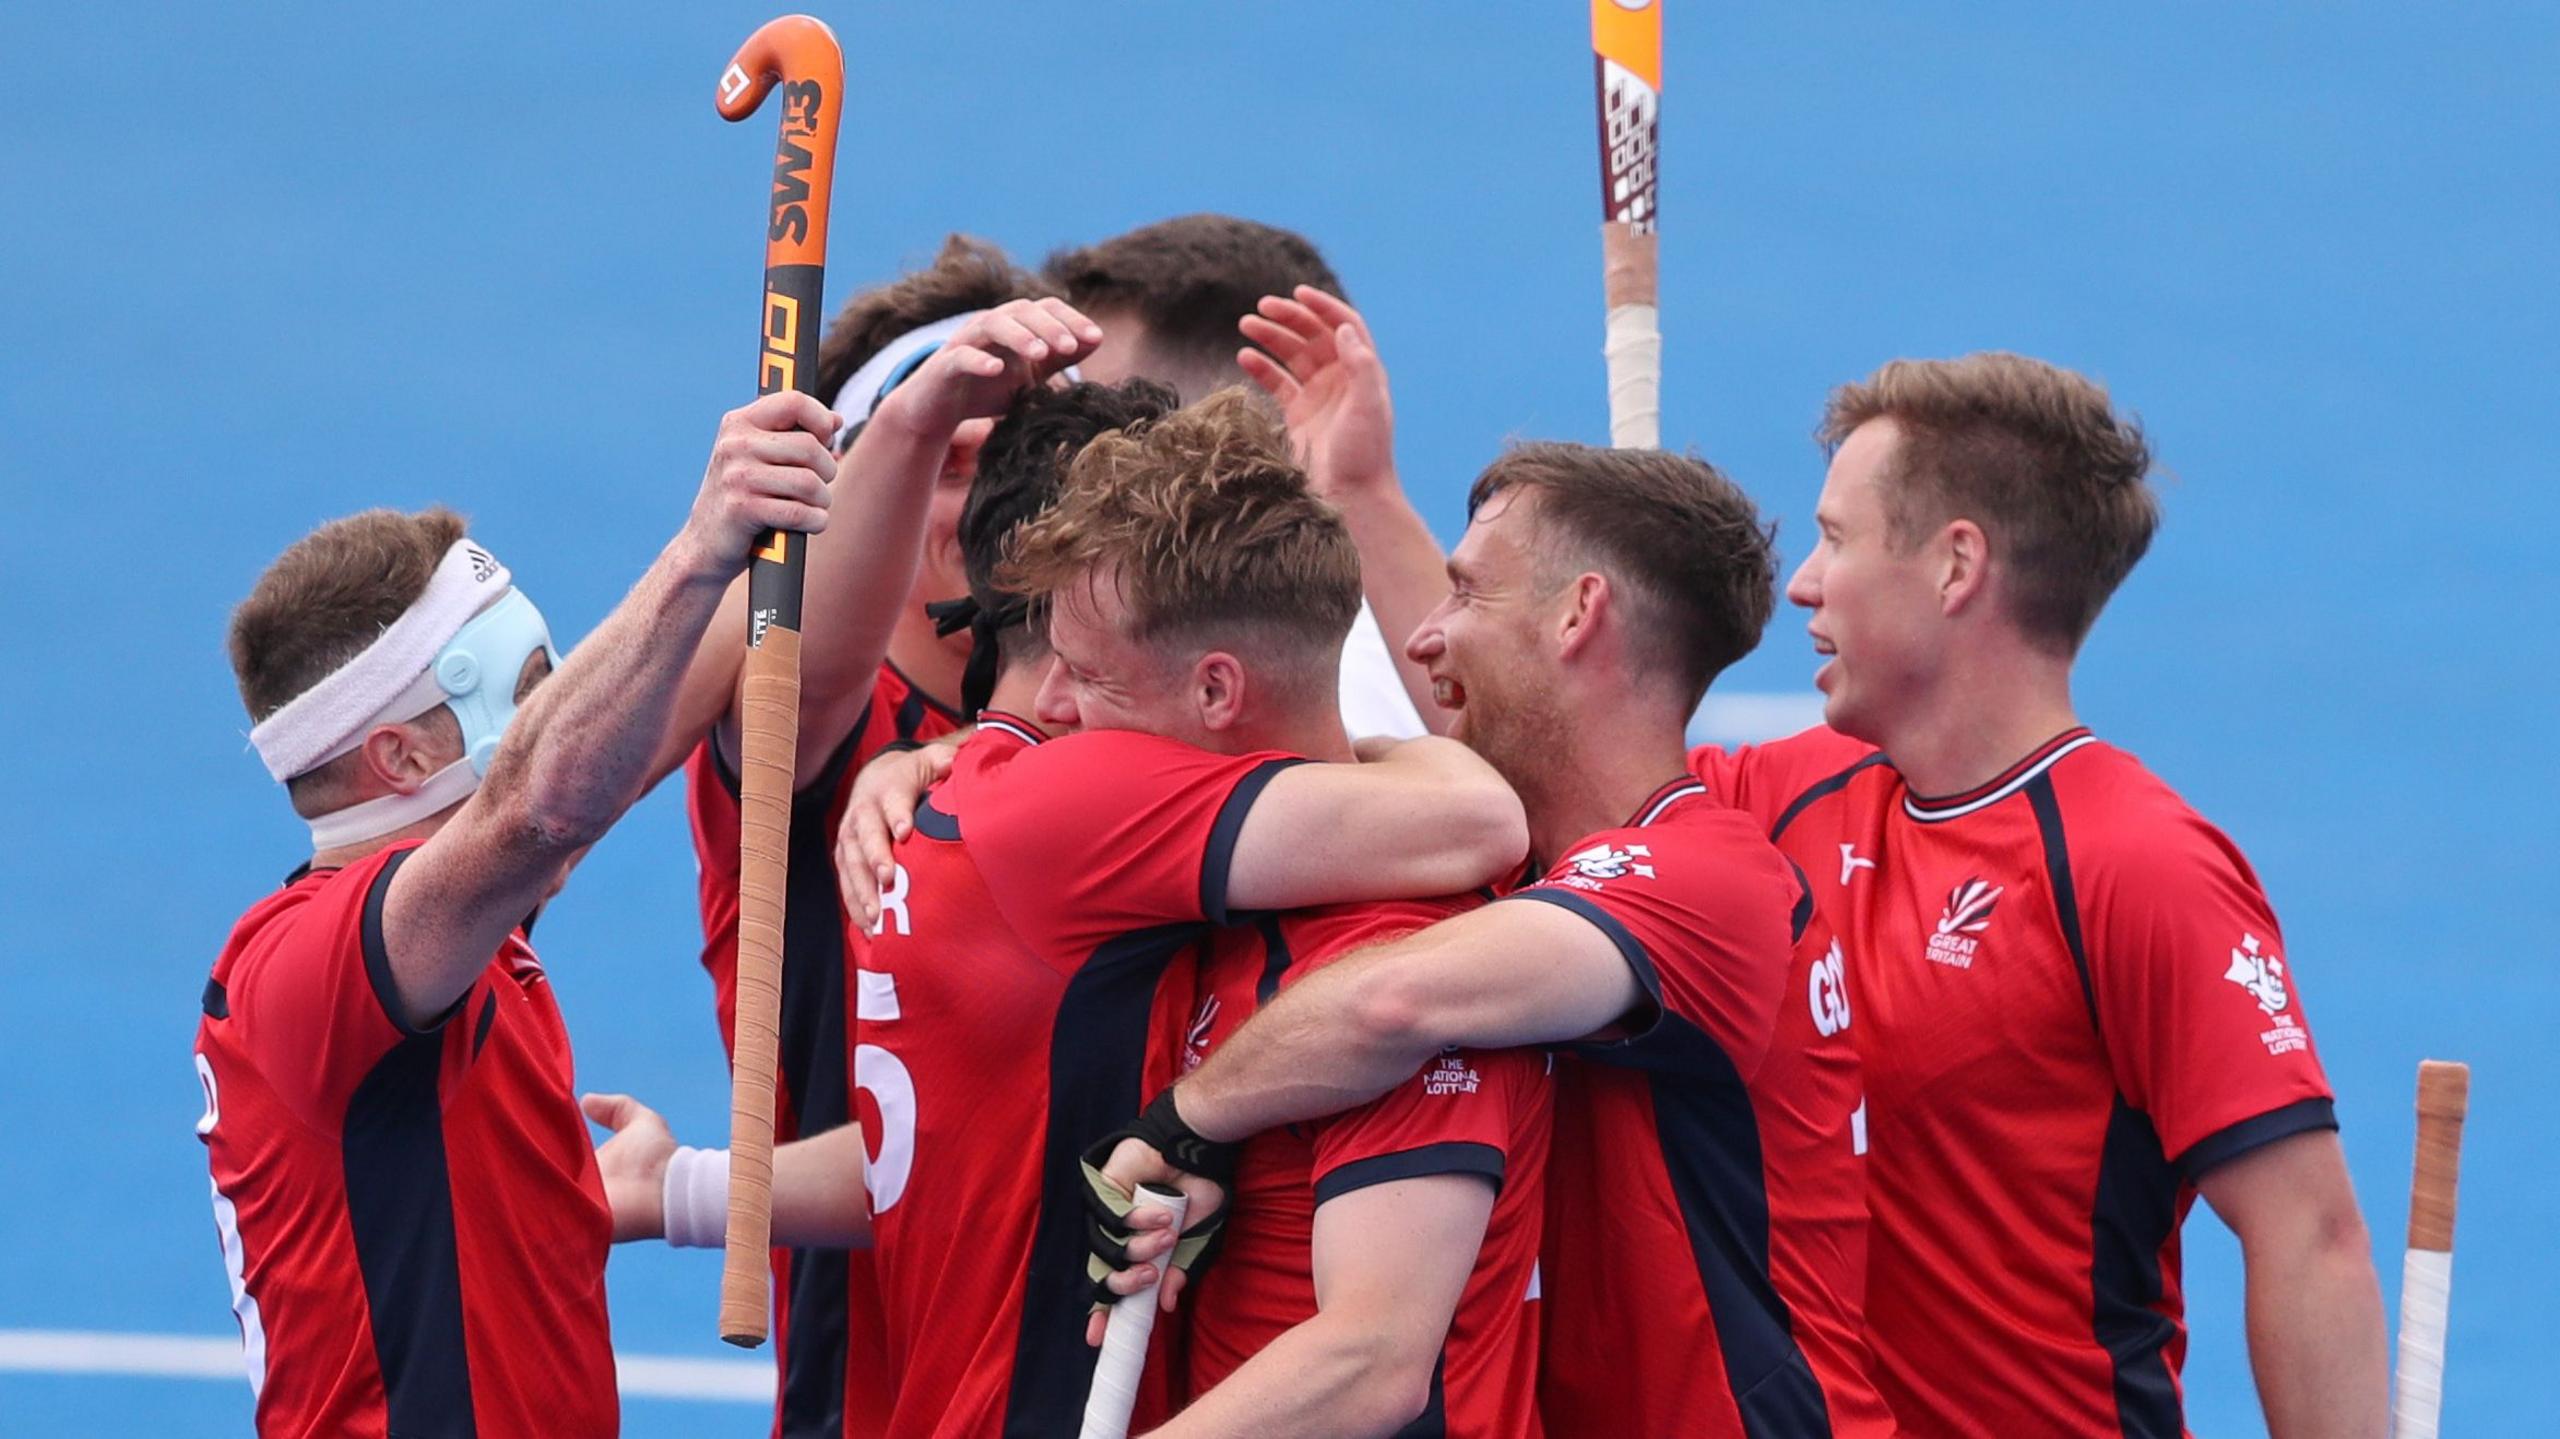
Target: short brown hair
{"x":967,"y":274}
{"x":1676,"y":537}
{"x":1207,"y":528}
{"x":330,"y":594}
{"x":2035,"y":454}
{"x":1188,"y":280}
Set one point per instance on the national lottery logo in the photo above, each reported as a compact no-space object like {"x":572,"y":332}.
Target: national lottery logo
{"x":2260,"y":973}
{"x":1603,"y":862}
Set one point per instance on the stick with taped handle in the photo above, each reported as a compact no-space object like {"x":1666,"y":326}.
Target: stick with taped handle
{"x":798,"y":55}
{"x":1124,"y":1336}
{"x":1626,"y":58}
{"x":2426,"y":1274}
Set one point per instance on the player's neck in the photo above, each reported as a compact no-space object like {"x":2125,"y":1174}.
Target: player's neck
{"x":1314,"y":731}
{"x":1597,"y":778}
{"x":930,"y":661}
{"x":1979,"y":721}
{"x":340,"y":856}
{"x":1017,"y":689}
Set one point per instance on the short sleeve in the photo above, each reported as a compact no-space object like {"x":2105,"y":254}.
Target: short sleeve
{"x":1106,"y":833}
{"x":1706,"y":922}
{"x":1766,"y":780}
{"x":311,"y":995}
{"x":2197,"y":1001}
{"x":1460,"y":1115}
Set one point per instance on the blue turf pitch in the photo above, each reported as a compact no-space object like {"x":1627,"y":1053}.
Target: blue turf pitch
{"x":264,"y":267}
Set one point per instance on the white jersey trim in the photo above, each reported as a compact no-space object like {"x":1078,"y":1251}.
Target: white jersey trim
{"x":1654,"y":810}
{"x":2017,"y":782}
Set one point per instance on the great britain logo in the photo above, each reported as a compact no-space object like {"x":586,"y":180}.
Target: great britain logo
{"x":1961,"y":923}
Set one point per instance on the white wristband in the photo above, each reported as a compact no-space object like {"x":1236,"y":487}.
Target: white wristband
{"x":697,"y":1198}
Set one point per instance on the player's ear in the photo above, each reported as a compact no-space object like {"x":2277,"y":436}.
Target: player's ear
{"x":1582,"y":607}
{"x":1218,"y":689}
{"x":1964,"y":566}
{"x":398,"y":758}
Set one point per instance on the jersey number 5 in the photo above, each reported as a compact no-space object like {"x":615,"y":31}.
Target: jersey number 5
{"x":893,"y":1093}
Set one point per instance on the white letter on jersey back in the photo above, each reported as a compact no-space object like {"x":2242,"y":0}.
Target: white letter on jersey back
{"x":235,"y":1255}
{"x":892,"y":1088}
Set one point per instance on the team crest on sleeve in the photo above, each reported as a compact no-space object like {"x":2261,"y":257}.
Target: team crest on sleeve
{"x":2260,"y":972}
{"x":1961,"y":923}
{"x":1450,"y":1075}
{"x":1601,"y":863}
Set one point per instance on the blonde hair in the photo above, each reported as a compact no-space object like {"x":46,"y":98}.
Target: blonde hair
{"x":1207,"y":529}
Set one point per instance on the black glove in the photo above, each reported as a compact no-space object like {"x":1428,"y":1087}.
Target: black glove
{"x":1107,"y":1205}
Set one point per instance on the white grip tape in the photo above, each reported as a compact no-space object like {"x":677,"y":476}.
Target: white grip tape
{"x":2426,"y":1289}
{"x":1124,"y":1338}
{"x":1634,"y":352}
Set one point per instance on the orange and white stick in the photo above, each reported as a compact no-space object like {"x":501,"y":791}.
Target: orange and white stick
{"x":1626,"y":58}
{"x":2426,"y":1275}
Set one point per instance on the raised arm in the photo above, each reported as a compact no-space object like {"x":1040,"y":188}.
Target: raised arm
{"x":1324,"y":371}
{"x":860,"y":576}
{"x":1493,"y":978}
{"x":1425,"y":817}
{"x":580,"y":750}
{"x":1391,"y":1263}
{"x":2316,"y":1340}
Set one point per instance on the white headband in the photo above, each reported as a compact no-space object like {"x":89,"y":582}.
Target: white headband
{"x":862,"y":394}
{"x":319,"y":722}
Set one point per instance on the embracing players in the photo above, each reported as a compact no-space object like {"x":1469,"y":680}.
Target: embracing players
{"x":1018,"y":1003}
{"x":1706,"y":1223}
{"x":2073,"y":1000}
{"x":409,"y":1210}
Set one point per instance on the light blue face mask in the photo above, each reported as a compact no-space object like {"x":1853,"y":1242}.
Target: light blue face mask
{"x":479,"y":669}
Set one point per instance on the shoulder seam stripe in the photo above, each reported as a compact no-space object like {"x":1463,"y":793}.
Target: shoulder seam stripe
{"x":1818,"y":789}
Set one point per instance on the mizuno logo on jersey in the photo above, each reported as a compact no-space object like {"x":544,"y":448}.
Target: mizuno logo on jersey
{"x":1967,"y":915}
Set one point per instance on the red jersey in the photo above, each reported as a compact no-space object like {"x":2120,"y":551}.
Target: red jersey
{"x":1706,"y":1223}
{"x":372,"y":1298}
{"x":1467,"y":1113}
{"x":826,"y":1303}
{"x":2072,"y":1001}
{"x":1021,"y":999}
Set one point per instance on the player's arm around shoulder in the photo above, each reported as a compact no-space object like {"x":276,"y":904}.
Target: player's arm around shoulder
{"x":1417,"y":817}
{"x":1391,"y":1262}
{"x":584,"y":744}
{"x":1508,"y":974}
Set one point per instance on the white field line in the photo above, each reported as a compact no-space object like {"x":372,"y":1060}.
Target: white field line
{"x":187,"y":1356}
{"x":1746,"y":717}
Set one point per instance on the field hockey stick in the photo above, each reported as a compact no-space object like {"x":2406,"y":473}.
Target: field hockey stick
{"x":1626,"y":59}
{"x":800,"y":55}
{"x":2426,"y":1272}
{"x":1114,"y":1395}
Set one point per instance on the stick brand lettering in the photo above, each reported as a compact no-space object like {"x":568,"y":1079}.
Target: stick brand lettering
{"x":802,"y":101}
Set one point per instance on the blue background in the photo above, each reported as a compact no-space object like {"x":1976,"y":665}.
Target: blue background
{"x":263,"y":268}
